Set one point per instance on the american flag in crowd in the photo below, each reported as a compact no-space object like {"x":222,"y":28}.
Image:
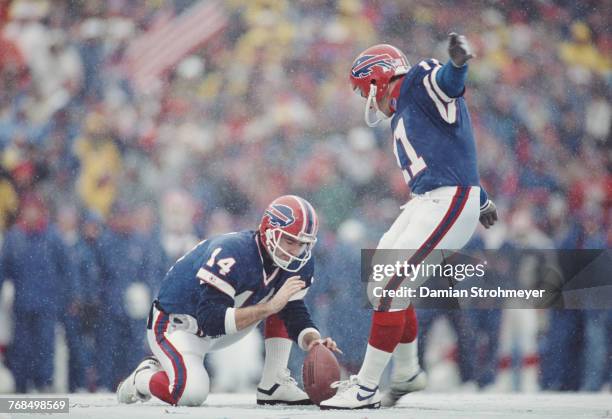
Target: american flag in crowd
{"x":164,"y":45}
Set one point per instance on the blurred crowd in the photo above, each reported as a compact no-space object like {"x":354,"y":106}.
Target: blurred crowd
{"x":105,"y":181}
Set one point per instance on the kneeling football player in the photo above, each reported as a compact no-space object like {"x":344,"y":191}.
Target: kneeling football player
{"x":217,"y":293}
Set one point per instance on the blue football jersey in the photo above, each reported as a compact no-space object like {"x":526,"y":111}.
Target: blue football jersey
{"x":433,"y":140}
{"x":226,"y":271}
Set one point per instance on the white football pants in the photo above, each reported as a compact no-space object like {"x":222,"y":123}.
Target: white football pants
{"x":181,"y":354}
{"x":444,"y":218}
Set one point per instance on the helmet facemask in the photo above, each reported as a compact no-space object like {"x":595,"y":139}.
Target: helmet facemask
{"x":276,"y":251}
{"x":371,"y":104}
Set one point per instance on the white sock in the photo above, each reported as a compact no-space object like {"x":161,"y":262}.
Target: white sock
{"x":374,"y":364}
{"x":405,"y":361}
{"x":277,"y":358}
{"x":142,"y":381}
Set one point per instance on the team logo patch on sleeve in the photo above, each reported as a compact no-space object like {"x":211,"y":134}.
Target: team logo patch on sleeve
{"x":280,"y":215}
{"x":364,"y":65}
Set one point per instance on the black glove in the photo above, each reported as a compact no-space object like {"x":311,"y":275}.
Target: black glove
{"x":488,"y":214}
{"x":458,"y":49}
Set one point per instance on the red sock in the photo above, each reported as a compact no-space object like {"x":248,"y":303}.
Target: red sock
{"x":275,"y":327}
{"x":531,"y":360}
{"x":505,"y":362}
{"x":160,"y":387}
{"x":410,"y":327}
{"x":387,"y":329}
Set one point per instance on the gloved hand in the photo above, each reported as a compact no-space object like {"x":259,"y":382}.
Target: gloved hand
{"x":459,"y":50}
{"x":488,"y":214}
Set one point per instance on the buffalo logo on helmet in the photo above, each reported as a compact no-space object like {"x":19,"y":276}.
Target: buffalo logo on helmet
{"x":280,"y":215}
{"x":363,"y":65}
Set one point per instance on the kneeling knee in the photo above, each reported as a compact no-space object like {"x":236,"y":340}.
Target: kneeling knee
{"x":195,"y":393}
{"x":192,"y":399}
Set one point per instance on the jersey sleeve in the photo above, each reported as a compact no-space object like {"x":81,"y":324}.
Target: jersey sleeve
{"x":451,"y":79}
{"x":298,"y":321}
{"x":306,"y":274}
{"x":431,"y":94}
{"x":218,"y":281}
{"x":296,"y":315}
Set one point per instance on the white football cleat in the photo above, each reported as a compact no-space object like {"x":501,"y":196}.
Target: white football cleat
{"x":284,"y":391}
{"x":127,"y":392}
{"x":352,"y":395}
{"x":399,"y":389}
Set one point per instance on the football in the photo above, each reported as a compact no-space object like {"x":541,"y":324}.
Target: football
{"x":319,"y":371}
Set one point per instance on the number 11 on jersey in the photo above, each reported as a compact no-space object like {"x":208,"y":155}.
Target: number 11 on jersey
{"x":407,"y":158}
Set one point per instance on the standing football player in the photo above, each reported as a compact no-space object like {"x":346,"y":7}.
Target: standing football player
{"x":217,"y":293}
{"x":434,"y":146}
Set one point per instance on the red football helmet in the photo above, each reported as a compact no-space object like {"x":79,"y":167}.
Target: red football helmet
{"x":372,"y":71}
{"x":295,"y":218}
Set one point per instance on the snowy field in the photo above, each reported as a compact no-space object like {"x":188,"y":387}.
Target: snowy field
{"x":428,"y":405}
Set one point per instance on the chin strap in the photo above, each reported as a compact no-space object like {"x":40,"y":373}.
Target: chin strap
{"x":372,"y":105}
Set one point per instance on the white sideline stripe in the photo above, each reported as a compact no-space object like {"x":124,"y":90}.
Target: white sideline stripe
{"x":437,"y":88}
{"x":449,"y":116}
{"x":215,"y":281}
{"x":425,"y":65}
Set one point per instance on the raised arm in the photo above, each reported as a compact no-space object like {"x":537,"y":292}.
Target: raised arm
{"x":452,"y":76}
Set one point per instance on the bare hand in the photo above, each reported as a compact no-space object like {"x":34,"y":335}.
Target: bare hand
{"x":289,"y":288}
{"x":328,"y":342}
